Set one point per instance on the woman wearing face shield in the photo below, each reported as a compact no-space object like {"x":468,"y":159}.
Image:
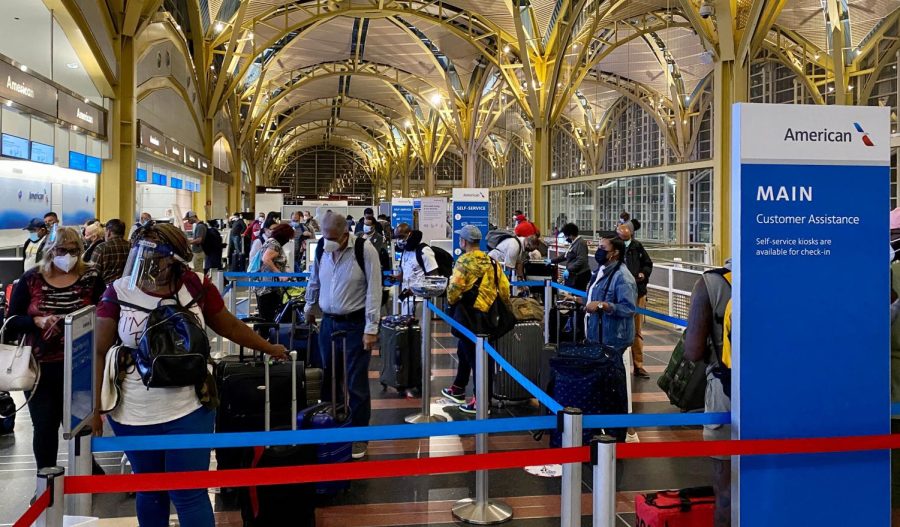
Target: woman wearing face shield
{"x":62,"y":283}
{"x":157,"y":270}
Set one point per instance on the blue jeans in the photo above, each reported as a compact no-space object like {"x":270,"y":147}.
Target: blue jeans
{"x":357,"y":367}
{"x":193,"y":506}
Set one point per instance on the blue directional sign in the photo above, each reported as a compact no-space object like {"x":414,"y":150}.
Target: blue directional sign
{"x":811,"y":348}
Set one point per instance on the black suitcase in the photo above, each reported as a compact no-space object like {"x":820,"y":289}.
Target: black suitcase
{"x":400,"y":342}
{"x":273,"y":504}
{"x":524,"y":348}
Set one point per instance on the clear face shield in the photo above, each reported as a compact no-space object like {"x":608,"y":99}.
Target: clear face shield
{"x":150,"y":264}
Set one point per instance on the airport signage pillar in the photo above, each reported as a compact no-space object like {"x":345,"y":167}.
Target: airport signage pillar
{"x":402,"y":212}
{"x":811,"y":328}
{"x":471,"y":206}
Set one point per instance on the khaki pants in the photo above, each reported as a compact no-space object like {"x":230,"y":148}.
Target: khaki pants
{"x":198,"y":261}
{"x":637,"y":347}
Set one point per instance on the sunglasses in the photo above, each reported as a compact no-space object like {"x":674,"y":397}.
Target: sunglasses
{"x":60,"y":251}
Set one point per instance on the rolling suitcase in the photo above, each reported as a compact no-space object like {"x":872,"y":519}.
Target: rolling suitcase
{"x":400,"y":341}
{"x":693,"y":507}
{"x":590,"y":377}
{"x":331,"y":415}
{"x":272,"y":504}
{"x":524,"y":348}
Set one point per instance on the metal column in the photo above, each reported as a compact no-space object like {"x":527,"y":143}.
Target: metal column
{"x":425,"y":415}
{"x":481,"y":510}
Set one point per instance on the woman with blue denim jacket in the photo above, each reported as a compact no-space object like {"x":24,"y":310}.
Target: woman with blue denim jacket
{"x":612,"y":295}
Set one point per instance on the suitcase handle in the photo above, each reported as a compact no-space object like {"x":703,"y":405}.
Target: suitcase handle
{"x":335,"y":335}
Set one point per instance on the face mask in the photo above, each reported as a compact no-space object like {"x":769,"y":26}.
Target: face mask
{"x":330,"y":246}
{"x":295,"y":224}
{"x":627,"y":243}
{"x":65,"y":263}
{"x":602,"y":256}
{"x":367,"y":228}
{"x":401,"y":245}
{"x":33,"y":236}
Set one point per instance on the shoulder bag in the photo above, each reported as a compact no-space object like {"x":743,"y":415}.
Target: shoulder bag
{"x":19,"y":370}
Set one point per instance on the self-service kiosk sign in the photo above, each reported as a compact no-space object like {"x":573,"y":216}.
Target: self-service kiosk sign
{"x":471,"y":206}
{"x":402,"y":212}
{"x":810,"y":196}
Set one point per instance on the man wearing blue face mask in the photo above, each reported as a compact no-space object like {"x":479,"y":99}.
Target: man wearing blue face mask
{"x":34,"y":245}
{"x":345,"y":288}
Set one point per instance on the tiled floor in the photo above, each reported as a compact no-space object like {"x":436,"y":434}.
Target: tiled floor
{"x":422,"y":500}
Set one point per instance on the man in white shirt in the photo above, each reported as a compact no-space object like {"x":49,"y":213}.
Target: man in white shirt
{"x":510,"y":252}
{"x":411,"y":268}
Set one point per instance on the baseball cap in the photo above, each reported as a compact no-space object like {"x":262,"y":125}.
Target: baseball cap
{"x":470,"y":233}
{"x":35,"y":224}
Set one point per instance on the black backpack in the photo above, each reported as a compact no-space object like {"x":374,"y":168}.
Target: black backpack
{"x":358,"y":250}
{"x":443,"y":258}
{"x":174,"y":349}
{"x":212,"y":242}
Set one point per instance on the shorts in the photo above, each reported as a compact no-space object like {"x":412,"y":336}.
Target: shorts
{"x":716,"y":401}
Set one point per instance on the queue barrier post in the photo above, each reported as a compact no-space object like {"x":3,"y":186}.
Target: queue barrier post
{"x":570,"y":511}
{"x":603,"y":459}
{"x":425,"y":415}
{"x":52,"y":478}
{"x":548,"y":301}
{"x":232,"y":308}
{"x":481,"y":510}
{"x":81,"y":463}
{"x":217,"y":278}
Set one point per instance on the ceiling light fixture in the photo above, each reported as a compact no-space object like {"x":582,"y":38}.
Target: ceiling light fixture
{"x":23,"y":67}
{"x":219,"y":27}
{"x":506,"y":48}
{"x":250,"y":35}
{"x":407,"y":124}
{"x":72,"y":65}
{"x":436,"y":99}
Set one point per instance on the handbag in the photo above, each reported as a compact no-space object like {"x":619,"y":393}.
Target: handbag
{"x":19,"y":370}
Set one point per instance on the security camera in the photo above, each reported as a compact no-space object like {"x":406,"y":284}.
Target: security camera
{"x":706,"y":9}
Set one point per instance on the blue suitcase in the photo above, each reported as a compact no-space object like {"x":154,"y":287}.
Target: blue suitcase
{"x":590,"y":377}
{"x":328,"y":415}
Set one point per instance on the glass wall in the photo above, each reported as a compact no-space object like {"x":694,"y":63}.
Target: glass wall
{"x":518,"y":199}
{"x":518,"y":167}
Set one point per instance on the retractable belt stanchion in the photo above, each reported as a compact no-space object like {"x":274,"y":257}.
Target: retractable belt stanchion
{"x":570,"y":511}
{"x":232,"y":308}
{"x":548,"y":301}
{"x":481,"y":510}
{"x":51,"y":478}
{"x":81,"y":463}
{"x":603,"y":459}
{"x":425,"y":415}
{"x":216,"y":276}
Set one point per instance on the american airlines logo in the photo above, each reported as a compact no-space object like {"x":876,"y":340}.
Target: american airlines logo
{"x":826,"y":136}
{"x":19,"y":88}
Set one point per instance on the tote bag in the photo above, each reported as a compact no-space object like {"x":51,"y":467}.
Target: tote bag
{"x":19,"y":369}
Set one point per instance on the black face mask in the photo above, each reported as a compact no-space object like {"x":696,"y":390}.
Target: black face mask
{"x":602,"y":256}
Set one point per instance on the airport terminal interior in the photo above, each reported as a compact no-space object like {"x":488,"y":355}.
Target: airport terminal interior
{"x":522,"y":119}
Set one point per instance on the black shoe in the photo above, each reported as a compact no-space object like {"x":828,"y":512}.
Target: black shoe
{"x":641,"y":373}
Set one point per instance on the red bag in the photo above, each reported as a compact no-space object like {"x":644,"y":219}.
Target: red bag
{"x":692,"y":507}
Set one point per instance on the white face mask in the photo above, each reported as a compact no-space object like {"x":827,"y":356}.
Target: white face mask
{"x":65,"y":263}
{"x":367,"y":228}
{"x":330,"y":246}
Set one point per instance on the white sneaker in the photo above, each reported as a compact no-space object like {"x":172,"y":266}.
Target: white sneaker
{"x":632,"y":438}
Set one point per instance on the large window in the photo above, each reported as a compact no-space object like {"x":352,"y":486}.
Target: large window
{"x":566,"y":157}
{"x":634,"y":140}
{"x":650,"y":199}
{"x":700,"y":224}
{"x":519,"y":199}
{"x":496,"y":197}
{"x":773,"y":82}
{"x":573,"y":203}
{"x":518,"y":167}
